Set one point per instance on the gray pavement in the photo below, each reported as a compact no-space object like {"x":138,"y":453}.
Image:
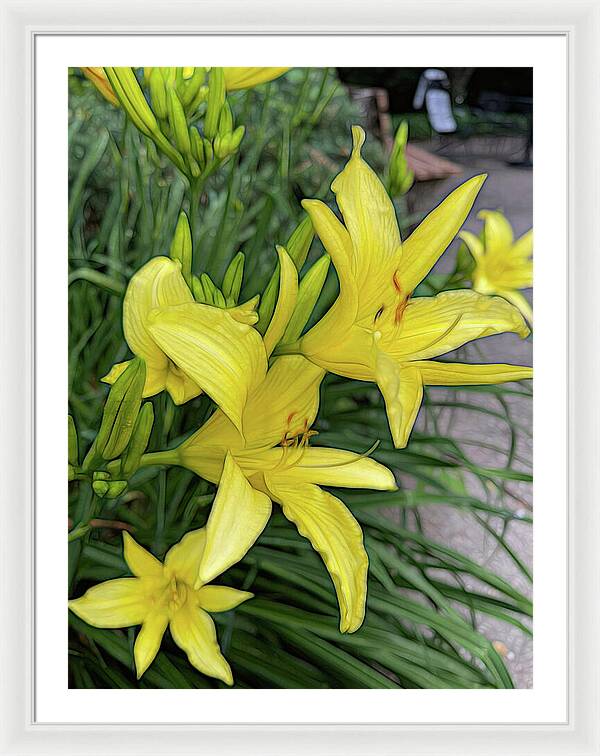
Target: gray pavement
{"x":510,"y":189}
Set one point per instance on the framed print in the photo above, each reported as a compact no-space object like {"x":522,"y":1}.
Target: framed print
{"x":327,"y":482}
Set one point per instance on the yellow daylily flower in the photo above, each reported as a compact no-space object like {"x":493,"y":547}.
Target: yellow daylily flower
{"x":245,"y":78}
{"x":375,"y":330}
{"x":190,"y":347}
{"x":273,"y":462}
{"x":160,"y":596}
{"x":100,"y":80}
{"x":502,"y":265}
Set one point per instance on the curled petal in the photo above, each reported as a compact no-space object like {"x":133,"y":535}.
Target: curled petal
{"x":158,"y":283}
{"x":286,"y":300}
{"x":432,"y":326}
{"x":225,"y":358}
{"x":459,"y":374}
{"x":335,"y":467}
{"x":368,"y":215}
{"x":334,"y":533}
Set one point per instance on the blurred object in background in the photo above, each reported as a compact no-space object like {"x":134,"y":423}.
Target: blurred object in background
{"x":452,"y":103}
{"x":433,"y":93}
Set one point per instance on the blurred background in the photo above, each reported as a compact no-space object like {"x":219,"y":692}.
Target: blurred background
{"x":464,"y":505}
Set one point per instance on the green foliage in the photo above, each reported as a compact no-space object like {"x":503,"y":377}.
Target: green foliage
{"x":425,"y":599}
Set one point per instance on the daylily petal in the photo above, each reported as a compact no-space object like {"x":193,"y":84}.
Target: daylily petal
{"x":243,"y":78}
{"x":335,"y":239}
{"x":335,"y":467}
{"x":286,"y":300}
{"x":183,"y":560}
{"x":114,"y":603}
{"x":368,"y":215}
{"x":141,"y":562}
{"x":498,"y":234}
{"x":337,"y":242}
{"x":523,"y":247}
{"x":432,"y":326}
{"x":238,"y":516}
{"x":220,"y":598}
{"x":402,"y":390}
{"x":194,"y":632}
{"x":148,"y":641}
{"x":100,"y":80}
{"x":224,"y":357}
{"x":458,"y":374}
{"x":518,"y":300}
{"x":474,"y":244}
{"x":155,"y":378}
{"x":180,"y":387}
{"x":334,"y":533}
{"x":432,"y":236}
{"x":285,"y":403}
{"x":245,"y":312}
{"x":158,"y":283}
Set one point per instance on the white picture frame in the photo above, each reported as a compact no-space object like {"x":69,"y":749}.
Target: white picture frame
{"x":20,"y":23}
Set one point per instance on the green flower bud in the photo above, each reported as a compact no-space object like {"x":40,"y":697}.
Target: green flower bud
{"x":73,"y":443}
{"x":115,"y":489}
{"x":121,"y":410}
{"x":232,"y":280}
{"x":178,"y":123}
{"x":309,"y":291}
{"x":216,"y":100}
{"x":221,"y":145}
{"x":197,"y":147}
{"x":225,"y":120}
{"x":297,"y":248}
{"x":209,"y":288}
{"x":236,"y":138}
{"x":400,"y":176}
{"x":100,"y":488}
{"x":130,"y":461}
{"x":131,"y":97}
{"x":100,"y":475}
{"x":181,"y":247}
{"x":158,"y":93}
{"x":198,"y":290}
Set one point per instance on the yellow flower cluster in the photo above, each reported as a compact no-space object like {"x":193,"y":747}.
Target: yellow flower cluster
{"x":256,"y":446}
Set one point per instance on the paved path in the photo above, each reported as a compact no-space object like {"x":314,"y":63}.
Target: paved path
{"x":510,"y":189}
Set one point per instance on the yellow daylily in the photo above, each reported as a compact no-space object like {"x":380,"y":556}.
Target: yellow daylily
{"x":100,"y":80}
{"x":244,"y":78}
{"x":273,"y":462}
{"x":190,"y":347}
{"x":160,"y":596}
{"x":375,"y":330}
{"x":502,"y":265}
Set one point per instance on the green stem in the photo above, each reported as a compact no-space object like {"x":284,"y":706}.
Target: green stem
{"x":196,"y":189}
{"x":169,"y":457}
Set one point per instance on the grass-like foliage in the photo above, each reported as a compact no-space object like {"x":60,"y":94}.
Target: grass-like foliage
{"x":426,"y":600}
